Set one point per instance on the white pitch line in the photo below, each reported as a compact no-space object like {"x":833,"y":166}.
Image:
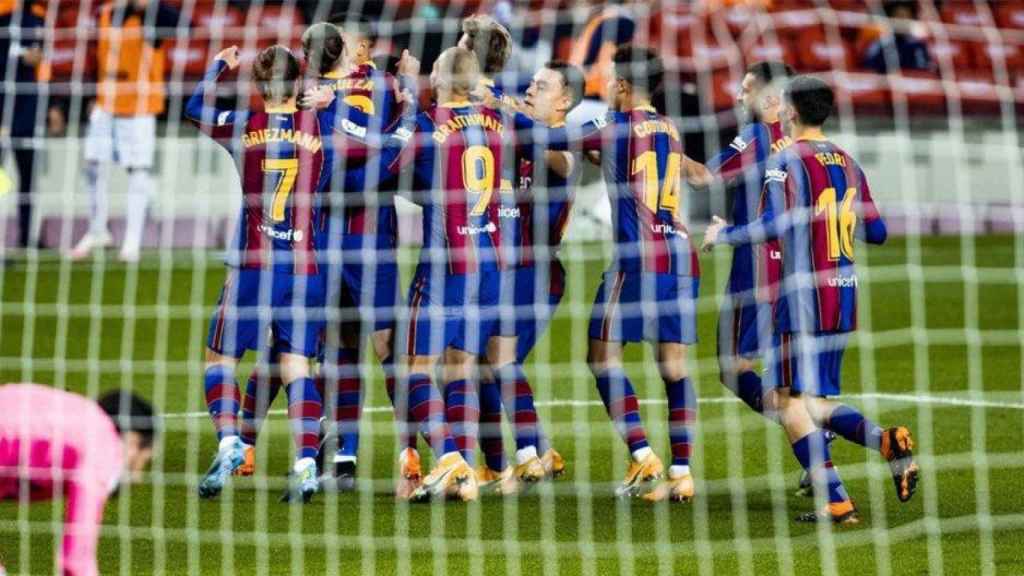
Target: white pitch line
{"x":883,"y":396}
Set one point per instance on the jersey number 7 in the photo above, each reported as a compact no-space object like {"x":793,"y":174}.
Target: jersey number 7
{"x":288,"y":170}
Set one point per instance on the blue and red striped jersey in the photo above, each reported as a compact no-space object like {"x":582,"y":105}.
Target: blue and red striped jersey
{"x":816,"y":196}
{"x":283,"y":164}
{"x":456,"y":153}
{"x":742,"y":165}
{"x":642,"y":159}
{"x":542,"y":205}
{"x":367,"y":213}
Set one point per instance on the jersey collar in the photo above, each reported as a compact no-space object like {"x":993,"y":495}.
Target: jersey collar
{"x":458,"y":104}
{"x":334,"y":75}
{"x":645,"y":108}
{"x":282,"y":109}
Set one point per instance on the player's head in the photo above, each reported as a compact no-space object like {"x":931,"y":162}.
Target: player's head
{"x":359,"y":35}
{"x":323,"y":46}
{"x":807,"y":103}
{"x":456,"y":72}
{"x":555,"y":90}
{"x":276,"y":71}
{"x":133,"y":417}
{"x":639,"y":74}
{"x":489,"y":40}
{"x":760,"y":92}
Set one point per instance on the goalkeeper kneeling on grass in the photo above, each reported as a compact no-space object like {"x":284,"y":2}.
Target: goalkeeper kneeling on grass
{"x":54,"y":442}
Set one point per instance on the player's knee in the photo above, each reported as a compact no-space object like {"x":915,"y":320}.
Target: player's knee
{"x":293,"y":367}
{"x":421,"y":365}
{"x":501,"y":351}
{"x":214,"y":358}
{"x":673,"y":371}
{"x":381,"y":340}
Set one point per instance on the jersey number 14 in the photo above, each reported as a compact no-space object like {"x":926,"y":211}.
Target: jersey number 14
{"x":658,"y":196}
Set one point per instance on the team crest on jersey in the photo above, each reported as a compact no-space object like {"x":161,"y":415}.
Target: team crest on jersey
{"x":775,"y":175}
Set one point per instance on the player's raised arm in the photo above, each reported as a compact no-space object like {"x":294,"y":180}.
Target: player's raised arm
{"x":216,"y":122}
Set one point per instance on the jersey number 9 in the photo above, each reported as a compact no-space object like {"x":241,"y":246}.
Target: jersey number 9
{"x":478,"y":176}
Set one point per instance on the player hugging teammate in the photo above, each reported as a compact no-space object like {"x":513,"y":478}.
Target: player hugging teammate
{"x":314,"y":264}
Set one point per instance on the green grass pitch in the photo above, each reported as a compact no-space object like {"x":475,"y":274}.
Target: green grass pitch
{"x":936,"y":332}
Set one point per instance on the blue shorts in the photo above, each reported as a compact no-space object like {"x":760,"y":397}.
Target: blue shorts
{"x":451,"y":311}
{"x":634,"y":307}
{"x":744,"y":327}
{"x":806,"y":363}
{"x":529,"y":297}
{"x":366,"y":293}
{"x":291,"y":307}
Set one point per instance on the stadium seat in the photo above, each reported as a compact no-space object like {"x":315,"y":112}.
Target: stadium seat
{"x":815,"y":50}
{"x":724,"y":87}
{"x":1010,"y":15}
{"x":958,"y":54}
{"x":989,"y":56}
{"x":867,"y":91}
{"x":217,"y":22}
{"x":62,"y":59}
{"x":923,"y":91}
{"x":964,"y":14}
{"x":979,"y":94}
{"x":765,"y":49}
{"x":278,"y":24}
{"x":190,"y":56}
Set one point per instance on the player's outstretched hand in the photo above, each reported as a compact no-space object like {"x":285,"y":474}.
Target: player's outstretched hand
{"x":317,"y":98}
{"x":230,"y":57}
{"x":711,"y":234}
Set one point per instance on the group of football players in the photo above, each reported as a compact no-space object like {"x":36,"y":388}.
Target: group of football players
{"x":314,"y":264}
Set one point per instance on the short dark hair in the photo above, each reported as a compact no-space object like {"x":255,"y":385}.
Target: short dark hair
{"x":891,"y":6}
{"x":130,"y":413}
{"x":641,"y":67}
{"x":276,"y":70}
{"x":768,"y":71}
{"x":813,"y":99}
{"x":386,"y":63}
{"x":572,"y":79}
{"x":323,"y":45}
